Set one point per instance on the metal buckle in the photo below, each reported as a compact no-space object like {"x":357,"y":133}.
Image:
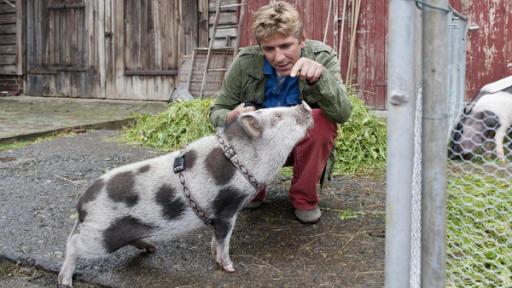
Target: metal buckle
{"x":179,"y":164}
{"x":230,"y":153}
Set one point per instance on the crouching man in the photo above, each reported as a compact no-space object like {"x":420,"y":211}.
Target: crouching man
{"x":283,"y":70}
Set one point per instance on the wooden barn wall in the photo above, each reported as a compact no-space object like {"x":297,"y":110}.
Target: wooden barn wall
{"x":148,"y":40}
{"x":224,"y":37}
{"x":368,"y":70}
{"x":367,"y":75}
{"x":11,"y":44}
{"x":313,"y":13}
{"x":115,"y":49}
{"x":144,"y":49}
{"x":489,"y":50}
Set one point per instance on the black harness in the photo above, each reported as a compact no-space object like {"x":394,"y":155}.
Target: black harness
{"x":229,"y":153}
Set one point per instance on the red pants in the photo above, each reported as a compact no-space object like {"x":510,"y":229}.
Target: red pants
{"x":308,"y":159}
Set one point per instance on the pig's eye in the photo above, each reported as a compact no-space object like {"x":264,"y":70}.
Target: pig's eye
{"x":276,"y":118}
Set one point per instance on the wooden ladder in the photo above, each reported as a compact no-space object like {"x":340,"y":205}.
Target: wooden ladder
{"x":241,"y":5}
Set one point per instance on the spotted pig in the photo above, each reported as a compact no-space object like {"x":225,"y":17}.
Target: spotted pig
{"x":489,"y":117}
{"x":145,"y":201}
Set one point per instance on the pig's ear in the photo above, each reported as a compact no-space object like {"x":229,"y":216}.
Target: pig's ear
{"x":251,"y":124}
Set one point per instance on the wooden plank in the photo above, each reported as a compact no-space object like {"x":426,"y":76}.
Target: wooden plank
{"x":151,"y":72}
{"x":213,"y":3}
{"x":8,"y":69}
{"x":6,"y":8}
{"x":9,"y":39}
{"x":487,"y":47}
{"x":20,"y":45}
{"x":8,"y":49}
{"x":7,"y":59}
{"x":7,"y":29}
{"x":8,"y":18}
{"x":223,"y":33}
{"x":225,"y":18}
{"x":188,"y":36}
{"x":202,"y":33}
{"x":66,"y":6}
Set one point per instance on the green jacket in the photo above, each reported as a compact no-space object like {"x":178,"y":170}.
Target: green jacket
{"x":245,"y":82}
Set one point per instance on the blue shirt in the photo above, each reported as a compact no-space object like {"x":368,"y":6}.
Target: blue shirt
{"x":279,"y":90}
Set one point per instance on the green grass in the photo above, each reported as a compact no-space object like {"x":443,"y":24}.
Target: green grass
{"x":360,"y":145}
{"x":479,"y":231}
{"x":182,"y":123}
{"x":361,"y":142}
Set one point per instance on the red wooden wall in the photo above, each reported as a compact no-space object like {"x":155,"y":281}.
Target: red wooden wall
{"x":489,"y":48}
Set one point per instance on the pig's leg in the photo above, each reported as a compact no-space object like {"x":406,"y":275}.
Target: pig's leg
{"x":499,"y":138}
{"x":143,"y":245}
{"x":223,"y":229}
{"x":66,"y":272}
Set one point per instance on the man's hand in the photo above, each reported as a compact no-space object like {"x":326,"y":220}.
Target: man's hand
{"x":233,"y":114}
{"x":308,"y":70}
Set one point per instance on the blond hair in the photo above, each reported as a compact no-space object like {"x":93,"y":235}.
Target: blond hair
{"x":277,"y":18}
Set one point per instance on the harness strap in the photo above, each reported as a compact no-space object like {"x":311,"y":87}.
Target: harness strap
{"x":230,"y":153}
{"x":179,"y":168}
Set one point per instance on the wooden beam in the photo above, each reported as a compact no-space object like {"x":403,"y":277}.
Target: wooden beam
{"x":171,"y":72}
{"x":20,"y":43}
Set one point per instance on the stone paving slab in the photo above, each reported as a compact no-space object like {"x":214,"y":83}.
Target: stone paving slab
{"x":25,"y":115}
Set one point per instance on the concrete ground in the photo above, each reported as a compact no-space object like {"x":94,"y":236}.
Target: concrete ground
{"x":42,"y":182}
{"x":22,"y":116}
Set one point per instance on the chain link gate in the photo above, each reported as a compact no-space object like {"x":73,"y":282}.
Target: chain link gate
{"x":479,"y":236}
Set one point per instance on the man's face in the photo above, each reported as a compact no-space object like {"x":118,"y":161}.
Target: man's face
{"x":282,"y":52}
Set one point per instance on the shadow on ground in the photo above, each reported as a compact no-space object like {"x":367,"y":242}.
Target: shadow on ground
{"x":42,"y":182}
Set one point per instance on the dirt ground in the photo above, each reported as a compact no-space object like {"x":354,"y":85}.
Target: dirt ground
{"x":42,"y":182}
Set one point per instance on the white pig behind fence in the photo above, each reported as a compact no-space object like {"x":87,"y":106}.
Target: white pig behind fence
{"x":146,"y":201}
{"x":490,"y":115}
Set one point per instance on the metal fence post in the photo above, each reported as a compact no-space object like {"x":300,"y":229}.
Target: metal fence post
{"x":400,"y":153}
{"x":435,"y":124}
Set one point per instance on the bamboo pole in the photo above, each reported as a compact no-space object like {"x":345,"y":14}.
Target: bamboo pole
{"x":355,"y":17}
{"x":328,"y":20}
{"x":340,"y":40}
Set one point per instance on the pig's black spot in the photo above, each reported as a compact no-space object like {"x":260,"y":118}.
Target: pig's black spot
{"x":227,"y":202}
{"x":190,"y":159}
{"x":221,"y":228}
{"x":124,"y":231}
{"x":172,"y":206}
{"x":120,"y":188}
{"x":144,"y":169}
{"x":221,"y":169}
{"x":90,"y":194}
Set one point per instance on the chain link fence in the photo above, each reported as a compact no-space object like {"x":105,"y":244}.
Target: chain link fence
{"x":479,"y":203}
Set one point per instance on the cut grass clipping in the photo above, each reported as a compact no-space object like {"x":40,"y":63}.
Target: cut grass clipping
{"x":360,"y":145}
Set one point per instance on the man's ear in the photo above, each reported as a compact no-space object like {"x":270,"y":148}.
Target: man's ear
{"x":251,"y":125}
{"x":302,"y":40}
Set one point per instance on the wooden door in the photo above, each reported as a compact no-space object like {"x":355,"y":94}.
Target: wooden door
{"x":61,"y":49}
{"x":146,"y":40}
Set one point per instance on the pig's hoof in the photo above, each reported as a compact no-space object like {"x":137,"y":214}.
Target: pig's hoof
{"x":143,"y":245}
{"x":60,"y":281}
{"x":228,"y":268}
